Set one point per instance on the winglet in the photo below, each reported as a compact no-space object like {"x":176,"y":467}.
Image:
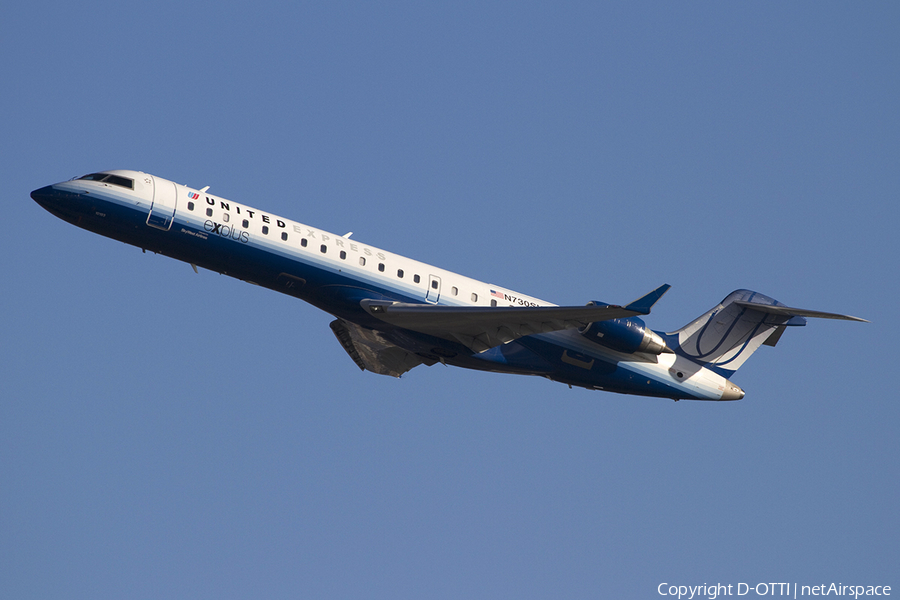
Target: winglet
{"x":643,"y":304}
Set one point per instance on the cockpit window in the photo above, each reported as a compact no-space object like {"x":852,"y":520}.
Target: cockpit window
{"x":110,"y":178}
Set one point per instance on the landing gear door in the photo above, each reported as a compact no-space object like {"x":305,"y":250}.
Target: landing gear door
{"x":434,"y":289}
{"x":162,"y":211}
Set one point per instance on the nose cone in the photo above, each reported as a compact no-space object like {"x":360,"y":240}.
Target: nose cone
{"x":64,"y":205}
{"x":43,"y":196}
{"x":732,"y":392}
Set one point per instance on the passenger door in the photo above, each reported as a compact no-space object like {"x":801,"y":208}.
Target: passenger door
{"x":434,"y":289}
{"x":162,"y":211}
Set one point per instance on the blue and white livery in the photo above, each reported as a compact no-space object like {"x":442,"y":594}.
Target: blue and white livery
{"x":393,"y":313}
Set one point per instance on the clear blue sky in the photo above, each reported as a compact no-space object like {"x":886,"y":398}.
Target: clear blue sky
{"x":171,"y":435}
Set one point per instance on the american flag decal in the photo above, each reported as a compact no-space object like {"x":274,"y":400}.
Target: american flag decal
{"x":496,"y":294}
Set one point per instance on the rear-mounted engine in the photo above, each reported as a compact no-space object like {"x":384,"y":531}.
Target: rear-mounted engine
{"x":625,"y":335}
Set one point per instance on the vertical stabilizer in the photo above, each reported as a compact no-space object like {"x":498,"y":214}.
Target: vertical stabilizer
{"x":726,"y":336}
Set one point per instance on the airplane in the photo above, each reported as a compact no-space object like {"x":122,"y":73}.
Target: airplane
{"x":393,"y":313}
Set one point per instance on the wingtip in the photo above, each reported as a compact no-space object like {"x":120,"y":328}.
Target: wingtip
{"x":643,"y":304}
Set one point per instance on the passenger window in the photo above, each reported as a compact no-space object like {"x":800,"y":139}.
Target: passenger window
{"x":434,"y":284}
{"x":226,"y":217}
{"x":362,"y":261}
{"x":303,"y":242}
{"x":245,"y":223}
{"x":265,"y":230}
{"x":343,"y":255}
{"x":284,"y":236}
{"x":208,"y":212}
{"x":381,"y":267}
{"x":190,"y":206}
{"x":474,"y":297}
{"x":493,"y":302}
{"x":400,"y":273}
{"x":323,"y":248}
{"x":416,"y":278}
{"x":454,"y":290}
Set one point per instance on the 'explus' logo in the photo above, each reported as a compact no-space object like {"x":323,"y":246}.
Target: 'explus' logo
{"x":227,"y":231}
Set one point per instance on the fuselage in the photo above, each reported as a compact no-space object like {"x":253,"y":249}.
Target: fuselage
{"x":336,"y":272}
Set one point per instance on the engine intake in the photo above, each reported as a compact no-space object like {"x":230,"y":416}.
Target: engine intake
{"x":625,"y":335}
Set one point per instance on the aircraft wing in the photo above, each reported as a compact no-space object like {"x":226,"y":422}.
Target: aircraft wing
{"x":370,"y":351}
{"x":482,"y":328}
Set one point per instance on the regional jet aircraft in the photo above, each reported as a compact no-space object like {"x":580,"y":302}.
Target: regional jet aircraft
{"x":393,"y":313}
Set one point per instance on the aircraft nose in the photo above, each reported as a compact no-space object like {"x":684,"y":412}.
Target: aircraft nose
{"x":732,"y":392}
{"x":56,"y":202}
{"x":43,"y":195}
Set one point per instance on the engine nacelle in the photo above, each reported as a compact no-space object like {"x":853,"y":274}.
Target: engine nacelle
{"x":625,"y":335}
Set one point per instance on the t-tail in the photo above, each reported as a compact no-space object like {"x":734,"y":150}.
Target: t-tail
{"x":726,"y":336}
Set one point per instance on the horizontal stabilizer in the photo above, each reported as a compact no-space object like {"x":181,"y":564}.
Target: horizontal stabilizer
{"x":481,"y":328}
{"x":787,"y":311}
